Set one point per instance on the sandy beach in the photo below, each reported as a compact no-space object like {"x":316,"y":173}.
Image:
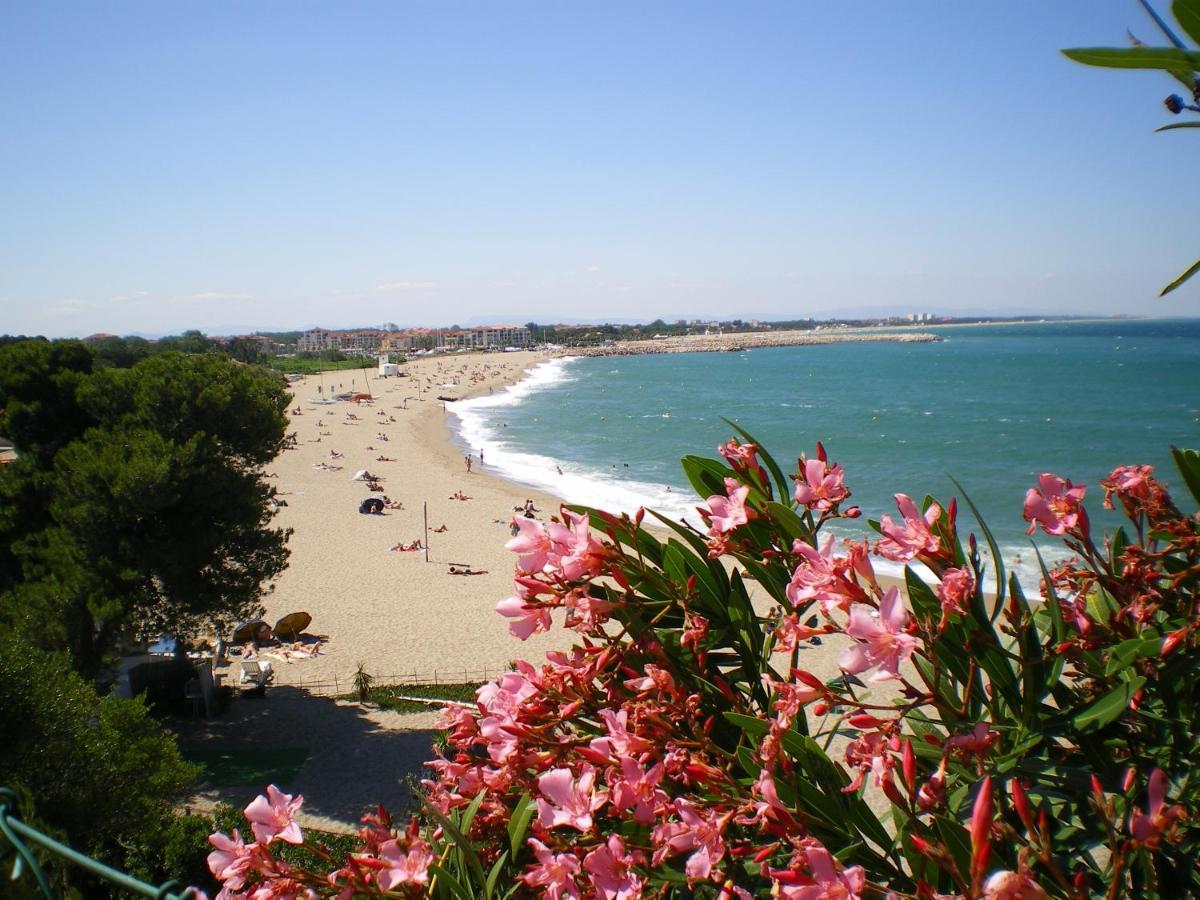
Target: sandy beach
{"x":399,"y":613}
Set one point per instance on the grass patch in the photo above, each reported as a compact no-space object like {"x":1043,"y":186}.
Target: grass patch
{"x":313,"y":366}
{"x":252,"y":766}
{"x":389,"y":697}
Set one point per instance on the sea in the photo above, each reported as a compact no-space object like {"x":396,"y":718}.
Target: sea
{"x":989,"y":406}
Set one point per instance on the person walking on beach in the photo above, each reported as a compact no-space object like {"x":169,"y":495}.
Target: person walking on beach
{"x":480,"y":456}
{"x":467,"y":460}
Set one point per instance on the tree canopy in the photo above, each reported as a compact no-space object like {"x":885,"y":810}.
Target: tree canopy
{"x":137,"y":501}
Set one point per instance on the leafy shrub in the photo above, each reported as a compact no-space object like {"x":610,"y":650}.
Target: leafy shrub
{"x":976,"y":742}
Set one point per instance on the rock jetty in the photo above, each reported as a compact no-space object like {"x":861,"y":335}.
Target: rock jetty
{"x":713,"y":343}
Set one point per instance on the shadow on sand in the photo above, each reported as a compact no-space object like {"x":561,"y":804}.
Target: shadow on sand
{"x":356,"y":756}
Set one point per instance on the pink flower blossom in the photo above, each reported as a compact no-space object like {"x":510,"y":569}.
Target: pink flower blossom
{"x":1055,"y":504}
{"x":231,"y":859}
{"x":819,"y":486}
{"x":881,"y":643}
{"x":1132,"y":481}
{"x":697,"y":832}
{"x":827,"y":883}
{"x":656,"y":678}
{"x":1159,"y":820}
{"x":555,"y":872}
{"x":611,"y":870}
{"x":637,"y":789}
{"x":526,"y":619}
{"x":620,"y":741}
{"x":818,"y":576}
{"x":726,"y":513}
{"x":902,"y":542}
{"x":405,"y":866}
{"x":532,"y":543}
{"x":956,"y":588}
{"x":273,"y":817}
{"x":567,"y":801}
{"x":978,"y":742}
{"x":280,"y":889}
{"x":1009,"y":885}
{"x":576,"y":553}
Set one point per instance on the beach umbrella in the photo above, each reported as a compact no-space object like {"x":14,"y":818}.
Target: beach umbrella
{"x":247,"y":631}
{"x":164,"y":646}
{"x":293,"y":623}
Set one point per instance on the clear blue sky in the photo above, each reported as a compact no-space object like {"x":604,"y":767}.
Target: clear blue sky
{"x":233,"y":166}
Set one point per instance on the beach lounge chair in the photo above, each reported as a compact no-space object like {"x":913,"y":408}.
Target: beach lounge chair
{"x":254,"y":672}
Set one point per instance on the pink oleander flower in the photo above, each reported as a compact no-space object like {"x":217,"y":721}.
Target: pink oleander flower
{"x":231,"y":860}
{"x":655,"y":679}
{"x":1009,"y":885}
{"x":526,"y":619}
{"x":405,"y":866}
{"x":531,"y":543}
{"x":1159,"y":820}
{"x":282,"y":888}
{"x":273,"y":817}
{"x":1132,"y":481}
{"x":902,"y":542}
{"x":881,"y":643}
{"x":743,"y":458}
{"x":619,"y":741}
{"x":567,"y":801}
{"x":955,"y":590}
{"x":555,"y":872}
{"x":819,"y":486}
{"x":576,"y":552}
{"x":697,"y":832}
{"x":585,"y":612}
{"x":637,"y":789}
{"x":818,"y":576}
{"x":827,"y":883}
{"x":610,"y":868}
{"x":1056,"y":505}
{"x":726,"y":513}
{"x":979,"y":742}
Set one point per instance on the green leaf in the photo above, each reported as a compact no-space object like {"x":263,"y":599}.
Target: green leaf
{"x":1127,"y":652}
{"x":1108,"y":708}
{"x":1167,"y":59}
{"x":490,"y":886}
{"x":1187,"y":14}
{"x":462,"y":846}
{"x":519,"y":824}
{"x":1188,"y":463}
{"x":1174,"y":126}
{"x":1192,"y":270}
{"x":793,"y":526}
{"x":997,"y":559}
{"x":443,"y":875}
{"x":707,"y":476}
{"x":957,"y":841}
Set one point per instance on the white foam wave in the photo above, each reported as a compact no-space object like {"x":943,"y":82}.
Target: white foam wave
{"x":595,"y":486}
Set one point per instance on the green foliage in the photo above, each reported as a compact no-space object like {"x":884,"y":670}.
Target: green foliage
{"x":101,"y":773}
{"x":137,"y":499}
{"x":362,"y":682}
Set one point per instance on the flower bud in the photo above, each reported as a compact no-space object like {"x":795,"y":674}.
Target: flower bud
{"x":908,"y":763}
{"x":1174,"y":104}
{"x":853,"y":512}
{"x":981,"y":828}
{"x":820,"y":709}
{"x":1128,"y":780}
{"x":1021,"y":803}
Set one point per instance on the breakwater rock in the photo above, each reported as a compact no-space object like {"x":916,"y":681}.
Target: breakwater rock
{"x":713,"y":343}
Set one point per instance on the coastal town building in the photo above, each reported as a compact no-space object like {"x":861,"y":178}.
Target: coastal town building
{"x":487,"y":337}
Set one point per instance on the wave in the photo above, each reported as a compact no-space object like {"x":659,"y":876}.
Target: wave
{"x":589,"y":485}
{"x":610,"y":489}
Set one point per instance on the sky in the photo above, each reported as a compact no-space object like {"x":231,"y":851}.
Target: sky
{"x":283,"y":165}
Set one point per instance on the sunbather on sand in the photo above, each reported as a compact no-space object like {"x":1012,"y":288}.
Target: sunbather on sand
{"x":407,"y":548}
{"x":384,"y":459}
{"x":459,"y":495}
{"x":441,"y":530}
{"x":466,"y":570}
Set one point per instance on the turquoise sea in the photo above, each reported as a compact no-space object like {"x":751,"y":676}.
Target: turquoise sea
{"x":991,"y":406}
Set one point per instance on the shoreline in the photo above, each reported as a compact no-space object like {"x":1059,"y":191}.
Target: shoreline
{"x":748,"y":340}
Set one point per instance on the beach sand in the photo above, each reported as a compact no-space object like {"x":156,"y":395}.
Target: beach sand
{"x":396,"y":613}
